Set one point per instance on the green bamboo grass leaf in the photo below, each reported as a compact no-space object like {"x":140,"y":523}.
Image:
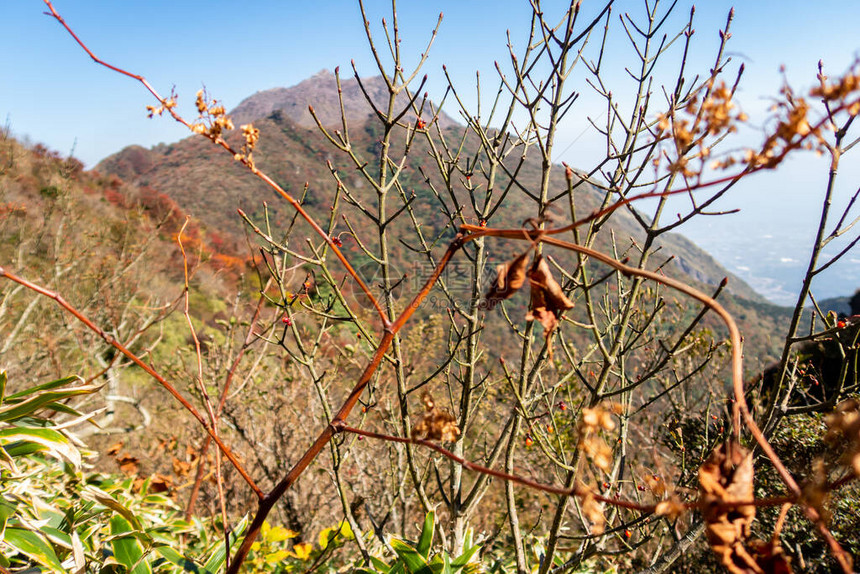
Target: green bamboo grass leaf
{"x":2,"y":387}
{"x":7,"y":509}
{"x":216,"y":561}
{"x":44,"y":387}
{"x":14,"y":409}
{"x":65,"y":409}
{"x":49,"y":440}
{"x":426,"y":538}
{"x":94,"y":494}
{"x":379,"y":565}
{"x":57,"y":537}
{"x":34,"y":546}
{"x":177,"y":559}
{"x":415,"y":562}
{"x":446,"y":565}
{"x":463,"y":559}
{"x":127,"y":550}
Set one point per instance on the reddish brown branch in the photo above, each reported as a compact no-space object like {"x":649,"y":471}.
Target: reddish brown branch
{"x":578,"y":490}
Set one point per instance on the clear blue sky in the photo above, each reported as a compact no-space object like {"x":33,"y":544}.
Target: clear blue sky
{"x":52,"y":93}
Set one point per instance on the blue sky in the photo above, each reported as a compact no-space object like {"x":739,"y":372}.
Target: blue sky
{"x":51,"y":92}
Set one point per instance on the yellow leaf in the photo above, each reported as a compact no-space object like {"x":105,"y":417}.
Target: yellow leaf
{"x":302,"y":550}
{"x":346,"y":531}
{"x":326,"y":536}
{"x":279,"y":534}
{"x":276,"y":557}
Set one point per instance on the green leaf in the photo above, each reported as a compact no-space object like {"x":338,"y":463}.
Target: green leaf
{"x":415,"y":562}
{"x":7,"y":509}
{"x":65,"y":409}
{"x":127,"y":550}
{"x":92,"y":493}
{"x":2,"y":387}
{"x":379,"y":565}
{"x":56,"y":443}
{"x":57,"y":536}
{"x":468,"y":551}
{"x":32,"y":545}
{"x":218,"y":557}
{"x":464,"y":558}
{"x":13,"y":409}
{"x":426,"y":538}
{"x":177,"y":559}
{"x":446,"y":566}
{"x":44,"y":387}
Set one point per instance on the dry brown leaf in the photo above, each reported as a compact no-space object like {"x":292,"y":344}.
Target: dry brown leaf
{"x":114,"y":449}
{"x":672,"y":507}
{"x":160,"y":483}
{"x":726,"y":478}
{"x":128,"y":464}
{"x":770,"y":557}
{"x":548,"y":301}
{"x":593,"y":511}
{"x":510,"y":277}
{"x":844,"y":431}
{"x":437,"y":424}
{"x":180,"y":467}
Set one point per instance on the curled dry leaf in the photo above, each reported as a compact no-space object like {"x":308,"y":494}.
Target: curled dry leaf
{"x":770,"y":557}
{"x":160,"y":483}
{"x":816,"y":493}
{"x":724,"y":479}
{"x":672,"y":507}
{"x":114,"y":449}
{"x":548,"y":301}
{"x":593,"y":511}
{"x":590,"y":442}
{"x":128,"y":464}
{"x":510,"y":277}
{"x":844,"y":430}
{"x":437,"y":424}
{"x":181,"y":468}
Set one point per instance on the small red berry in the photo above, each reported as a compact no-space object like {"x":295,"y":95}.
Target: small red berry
{"x":420,"y":124}
{"x":627,"y":533}
{"x":606,"y":485}
{"x":286,"y":321}
{"x":360,"y":437}
{"x":337,"y":241}
{"x":529,"y":440}
{"x":561,"y":406}
{"x":840,"y":324}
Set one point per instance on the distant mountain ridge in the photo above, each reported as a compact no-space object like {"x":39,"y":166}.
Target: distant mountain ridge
{"x":319,"y":91}
{"x":205,"y":182}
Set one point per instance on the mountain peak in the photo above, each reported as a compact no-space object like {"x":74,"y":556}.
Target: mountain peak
{"x":319,"y":91}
